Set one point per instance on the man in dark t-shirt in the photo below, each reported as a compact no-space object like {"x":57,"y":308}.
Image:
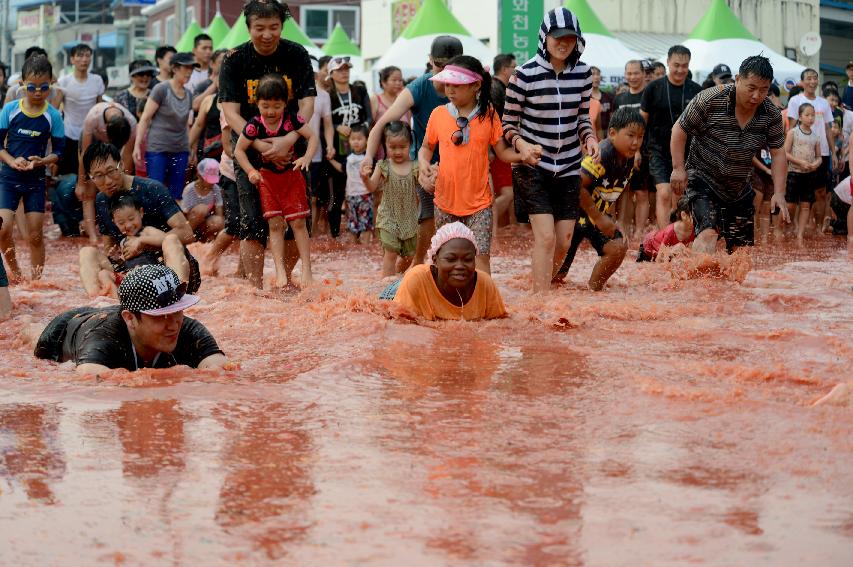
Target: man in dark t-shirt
{"x":641,"y":182}
{"x":239,"y":76}
{"x":663,"y":102}
{"x":147,"y":330}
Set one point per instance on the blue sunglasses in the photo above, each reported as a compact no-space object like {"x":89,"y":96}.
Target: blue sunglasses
{"x":44,"y":87}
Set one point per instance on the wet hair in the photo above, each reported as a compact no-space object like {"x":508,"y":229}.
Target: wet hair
{"x":484,"y":99}
{"x":265,"y":9}
{"x":803,"y":107}
{"x":678,"y":50}
{"x":397,"y":129}
{"x":121,"y":200}
{"x":218,"y":53}
{"x":35,"y":66}
{"x":806,"y":71}
{"x":502,"y":61}
{"x":626,"y":116}
{"x":683,"y":206}
{"x":272,"y":87}
{"x":98,"y":152}
{"x":118,"y":130}
{"x":79,"y":48}
{"x":386,"y":73}
{"x":162,"y":51}
{"x":34,"y":50}
{"x":360,"y":128}
{"x":774,"y":90}
{"x":757,"y":66}
{"x":201,"y":37}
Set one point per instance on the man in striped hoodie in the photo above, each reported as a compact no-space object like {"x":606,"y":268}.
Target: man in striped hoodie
{"x":547,"y":105}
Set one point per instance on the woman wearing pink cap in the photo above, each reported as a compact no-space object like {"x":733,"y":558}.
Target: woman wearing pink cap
{"x":202,"y":202}
{"x":449,"y":286}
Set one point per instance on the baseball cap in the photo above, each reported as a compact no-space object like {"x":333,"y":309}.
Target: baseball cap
{"x":154,"y":289}
{"x":141,"y":67}
{"x":208,"y":169}
{"x":557,"y":33}
{"x":444,"y":48}
{"x":721,"y":71}
{"x":184,"y":58}
{"x":647,"y":66}
{"x":336,"y":63}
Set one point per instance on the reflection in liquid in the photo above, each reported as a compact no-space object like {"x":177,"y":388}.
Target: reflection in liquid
{"x":267,"y":487}
{"x":152,"y":437}
{"x":30,"y":449}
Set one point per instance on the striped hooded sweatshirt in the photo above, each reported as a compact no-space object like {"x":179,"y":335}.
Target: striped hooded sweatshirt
{"x":549,"y":108}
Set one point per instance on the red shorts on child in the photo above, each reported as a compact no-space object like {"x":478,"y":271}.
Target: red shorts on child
{"x":283,"y":194}
{"x":501,"y":175}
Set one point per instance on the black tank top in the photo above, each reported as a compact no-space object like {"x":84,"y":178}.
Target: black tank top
{"x":211,"y":124}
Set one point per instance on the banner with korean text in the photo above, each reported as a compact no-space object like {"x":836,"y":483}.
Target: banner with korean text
{"x":520,"y":21}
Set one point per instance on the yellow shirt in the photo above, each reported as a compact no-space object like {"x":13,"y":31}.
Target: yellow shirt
{"x":419,"y":292}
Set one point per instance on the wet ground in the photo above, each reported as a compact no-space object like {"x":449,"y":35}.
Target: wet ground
{"x":666,"y":421}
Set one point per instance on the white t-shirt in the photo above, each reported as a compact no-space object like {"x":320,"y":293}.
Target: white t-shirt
{"x":322,"y":107}
{"x":79,"y":99}
{"x":355,"y":186}
{"x":199,"y":76}
{"x":843,"y":191}
{"x":823,"y":117}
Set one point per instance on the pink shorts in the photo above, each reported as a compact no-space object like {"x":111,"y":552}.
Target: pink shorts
{"x":283,"y":194}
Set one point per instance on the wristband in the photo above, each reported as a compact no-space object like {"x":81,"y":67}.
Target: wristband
{"x":515,"y":140}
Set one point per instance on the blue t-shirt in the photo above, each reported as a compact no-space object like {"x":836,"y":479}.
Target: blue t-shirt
{"x":157,"y":204}
{"x":426,"y":100}
{"x":25,"y":135}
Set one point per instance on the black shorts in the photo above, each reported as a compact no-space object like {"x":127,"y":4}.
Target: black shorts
{"x":824,"y":176}
{"x":319,"y":189}
{"x":840,"y":208}
{"x":585,"y":230}
{"x":800,"y":187}
{"x":642,"y":180}
{"x":538,"y":192}
{"x":231,"y":205}
{"x":660,"y":166}
{"x":69,"y":162}
{"x":733,"y":221}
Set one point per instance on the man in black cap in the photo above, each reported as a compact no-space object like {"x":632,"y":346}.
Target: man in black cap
{"x":421,"y":97}
{"x":147,"y":330}
{"x":720,"y":75}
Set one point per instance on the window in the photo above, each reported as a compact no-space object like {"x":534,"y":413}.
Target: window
{"x":319,"y":21}
{"x":157,"y":30}
{"x":169,"y":38}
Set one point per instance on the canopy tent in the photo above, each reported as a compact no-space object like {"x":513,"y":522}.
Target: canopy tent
{"x":602,"y":49}
{"x":238,"y":35}
{"x":294,"y":33}
{"x":411,"y":50}
{"x":217,"y":30}
{"x":339,"y":44}
{"x":720,"y":37}
{"x":187,"y":41}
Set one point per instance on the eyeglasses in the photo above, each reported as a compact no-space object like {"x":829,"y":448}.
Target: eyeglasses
{"x":32,"y":87}
{"x":112,"y":172}
{"x":459,"y":136}
{"x":171,"y":296}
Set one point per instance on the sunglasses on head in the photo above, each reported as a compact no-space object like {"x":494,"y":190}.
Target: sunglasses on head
{"x":341,"y":60}
{"x":459,"y":136}
{"x":171,"y":296}
{"x":32,"y":87}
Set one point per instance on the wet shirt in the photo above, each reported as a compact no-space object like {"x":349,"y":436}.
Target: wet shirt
{"x":243,"y":68}
{"x":398,"y":209}
{"x":664,"y":103}
{"x":419,"y":292}
{"x":168,"y":132}
{"x":609,"y":178}
{"x":628,"y":99}
{"x":426,"y":100}
{"x":653,"y":241}
{"x":721,"y":151}
{"x":96,"y":125}
{"x":99,"y":336}
{"x":256,"y":129}
{"x":23,"y":134}
{"x":155,"y":200}
{"x":79,"y":98}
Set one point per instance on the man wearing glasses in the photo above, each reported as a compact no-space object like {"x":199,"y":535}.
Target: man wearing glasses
{"x":102,"y":164}
{"x":421,"y":97}
{"x":146,"y":330}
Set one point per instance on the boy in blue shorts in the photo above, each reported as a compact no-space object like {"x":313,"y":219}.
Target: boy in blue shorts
{"x":26,"y":127}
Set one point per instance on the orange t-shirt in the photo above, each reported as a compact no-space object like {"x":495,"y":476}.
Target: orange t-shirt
{"x":594,"y":112}
{"x":462,"y":187}
{"x":419,"y":292}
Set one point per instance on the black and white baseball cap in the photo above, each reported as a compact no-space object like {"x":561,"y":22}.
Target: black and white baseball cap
{"x":154,"y":289}
{"x":722,"y":71}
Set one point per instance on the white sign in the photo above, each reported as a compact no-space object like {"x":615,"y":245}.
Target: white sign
{"x":810,"y":44}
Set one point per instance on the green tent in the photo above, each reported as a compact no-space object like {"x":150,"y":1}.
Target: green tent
{"x":291,"y":31}
{"x":218,"y":29}
{"x":719,"y":22}
{"x":340,"y":44}
{"x":433,"y":17}
{"x":588,"y":19}
{"x":238,"y":35}
{"x":187,"y":40}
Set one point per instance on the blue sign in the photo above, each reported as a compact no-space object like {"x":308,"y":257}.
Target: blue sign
{"x":137,"y":2}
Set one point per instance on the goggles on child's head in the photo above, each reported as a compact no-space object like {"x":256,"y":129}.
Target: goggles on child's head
{"x":32,"y":87}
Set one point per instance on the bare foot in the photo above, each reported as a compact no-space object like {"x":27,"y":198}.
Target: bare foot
{"x":800,"y":244}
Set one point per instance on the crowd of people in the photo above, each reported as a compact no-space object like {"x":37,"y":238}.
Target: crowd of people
{"x":269,"y":147}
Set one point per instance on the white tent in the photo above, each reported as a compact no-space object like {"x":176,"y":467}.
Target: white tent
{"x":720,"y":37}
{"x":411,"y":50}
{"x":602,"y":49}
